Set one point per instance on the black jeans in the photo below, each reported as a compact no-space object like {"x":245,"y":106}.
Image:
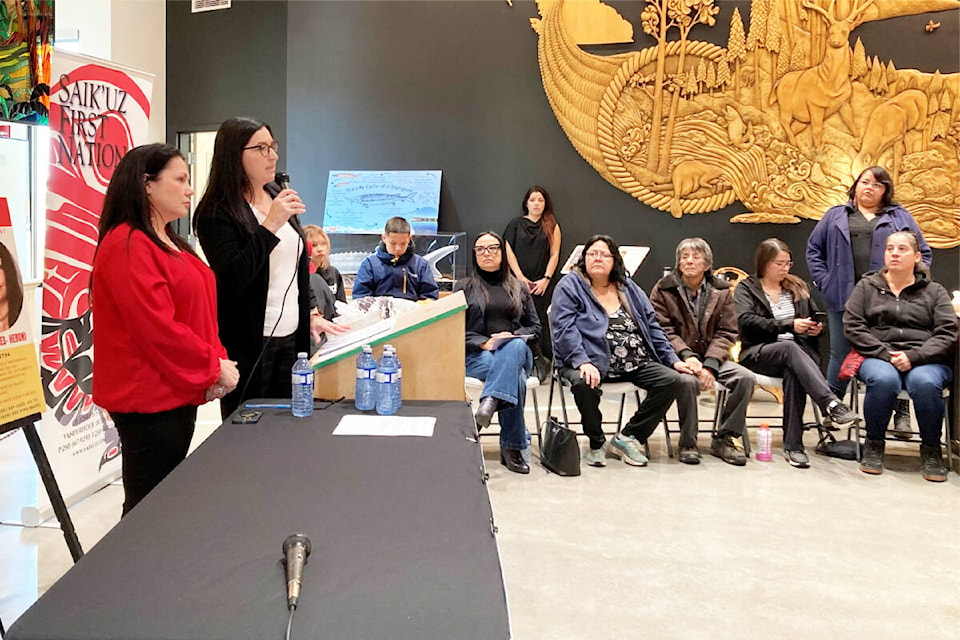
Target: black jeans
{"x":152,"y":444}
{"x":801,"y":377}
{"x":269,"y":379}
{"x":661,"y":384}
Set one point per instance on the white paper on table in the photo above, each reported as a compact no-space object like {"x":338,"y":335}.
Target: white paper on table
{"x":355,"y":425}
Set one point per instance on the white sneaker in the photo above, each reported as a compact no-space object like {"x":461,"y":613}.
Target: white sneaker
{"x":629,"y":450}
{"x":595,"y":457}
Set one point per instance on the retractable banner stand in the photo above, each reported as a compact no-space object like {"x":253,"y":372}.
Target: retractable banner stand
{"x":98,"y":111}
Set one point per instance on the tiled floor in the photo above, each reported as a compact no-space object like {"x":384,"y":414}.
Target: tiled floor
{"x":666,"y":551}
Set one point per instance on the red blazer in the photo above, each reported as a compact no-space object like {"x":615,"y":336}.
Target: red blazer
{"x":155,"y":343}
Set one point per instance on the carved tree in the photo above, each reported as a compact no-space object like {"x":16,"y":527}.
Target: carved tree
{"x":702,"y":72}
{"x":712,"y":77}
{"x":723,"y":73}
{"x":798,"y":58}
{"x":774,"y":41}
{"x":736,"y":46}
{"x":684,"y":14}
{"x":755,"y":41}
{"x":858,"y":64}
{"x":653,"y":19}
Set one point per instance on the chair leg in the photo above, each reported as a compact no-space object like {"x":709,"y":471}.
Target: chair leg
{"x":536,"y":416}
{"x":946,"y":427}
{"x":666,"y":432}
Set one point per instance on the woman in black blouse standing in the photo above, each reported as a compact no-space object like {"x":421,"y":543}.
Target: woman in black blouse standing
{"x":533,"y":253}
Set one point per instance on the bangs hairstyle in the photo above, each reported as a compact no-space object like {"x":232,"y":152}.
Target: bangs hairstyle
{"x":882,"y":176}
{"x":510,"y":283}
{"x":619,"y":272}
{"x":14,"y":292}
{"x":767,"y":252}
{"x":548,"y":220}
{"x":228,"y":186}
{"x":312,"y":232}
{"x":695,"y":244}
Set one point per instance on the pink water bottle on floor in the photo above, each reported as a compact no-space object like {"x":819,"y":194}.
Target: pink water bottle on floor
{"x":764,"y":441}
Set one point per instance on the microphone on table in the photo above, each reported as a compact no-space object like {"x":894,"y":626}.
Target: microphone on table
{"x":296,"y":549}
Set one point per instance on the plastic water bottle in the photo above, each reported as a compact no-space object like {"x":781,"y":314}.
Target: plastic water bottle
{"x":302,"y":381}
{"x":764,"y":441}
{"x":366,"y":391}
{"x":397,"y":388}
{"x":386,"y":381}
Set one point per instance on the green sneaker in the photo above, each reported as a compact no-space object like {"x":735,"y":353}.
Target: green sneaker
{"x":596,"y":457}
{"x":629,"y":449}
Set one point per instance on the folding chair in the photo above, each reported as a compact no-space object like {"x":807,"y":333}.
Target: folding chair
{"x":914,"y":435}
{"x":606,"y":388}
{"x":474,"y":386}
{"x":720,"y":401}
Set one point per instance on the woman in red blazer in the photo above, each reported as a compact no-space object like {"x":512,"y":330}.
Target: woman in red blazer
{"x":157,"y":355}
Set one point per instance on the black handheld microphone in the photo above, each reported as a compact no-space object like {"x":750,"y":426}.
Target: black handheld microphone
{"x":283,"y":179}
{"x":296,"y":549}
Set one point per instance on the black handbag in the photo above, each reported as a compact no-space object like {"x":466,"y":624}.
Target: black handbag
{"x":560,"y":452}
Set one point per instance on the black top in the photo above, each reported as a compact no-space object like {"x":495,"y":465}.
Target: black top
{"x":530,"y":246}
{"x":500,"y":312}
{"x":333,"y":278}
{"x":861,"y":241}
{"x":523,"y":321}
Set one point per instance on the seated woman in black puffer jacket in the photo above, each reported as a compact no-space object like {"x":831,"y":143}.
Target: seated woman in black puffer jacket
{"x":904,"y":325}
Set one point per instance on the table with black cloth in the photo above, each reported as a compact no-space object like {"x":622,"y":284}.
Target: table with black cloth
{"x":401,"y":530}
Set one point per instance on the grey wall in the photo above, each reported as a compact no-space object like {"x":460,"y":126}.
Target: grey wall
{"x":456,"y":86}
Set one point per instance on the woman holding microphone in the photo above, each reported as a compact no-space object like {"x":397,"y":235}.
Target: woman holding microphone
{"x":248,"y":228}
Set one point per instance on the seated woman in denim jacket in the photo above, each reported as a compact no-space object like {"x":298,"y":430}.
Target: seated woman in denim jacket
{"x":499,"y":308}
{"x":904,"y":325}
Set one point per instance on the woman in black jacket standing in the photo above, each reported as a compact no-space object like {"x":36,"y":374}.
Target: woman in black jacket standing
{"x":499,"y":308}
{"x":248,"y":229}
{"x":904,"y":325}
{"x":778,"y":334}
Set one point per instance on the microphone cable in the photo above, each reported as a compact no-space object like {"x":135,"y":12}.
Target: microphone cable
{"x":290,"y":622}
{"x":283,"y":302}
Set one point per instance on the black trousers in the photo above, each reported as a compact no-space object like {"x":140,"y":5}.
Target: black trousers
{"x":269,"y":379}
{"x":152,"y":445}
{"x":801,"y":377}
{"x":661,"y":384}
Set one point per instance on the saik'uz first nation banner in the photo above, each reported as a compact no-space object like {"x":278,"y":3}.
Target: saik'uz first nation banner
{"x":98,"y":111}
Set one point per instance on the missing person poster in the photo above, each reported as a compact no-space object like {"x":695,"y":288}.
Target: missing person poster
{"x":20,"y":391}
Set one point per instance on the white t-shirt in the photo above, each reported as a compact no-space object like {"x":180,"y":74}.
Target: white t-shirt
{"x":283,"y":292}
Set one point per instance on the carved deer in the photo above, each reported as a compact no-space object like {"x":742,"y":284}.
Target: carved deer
{"x":810,"y":96}
{"x":888,"y":126}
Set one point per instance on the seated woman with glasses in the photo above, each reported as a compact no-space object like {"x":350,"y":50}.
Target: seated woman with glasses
{"x":605,"y":330}
{"x":904,"y":325}
{"x":501,"y":319}
{"x":779,"y":326}
{"x":848,"y":242}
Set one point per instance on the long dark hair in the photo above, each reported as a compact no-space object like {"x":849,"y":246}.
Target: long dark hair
{"x":126,"y":200}
{"x":882,"y":176}
{"x":618,"y":274}
{"x":767,"y":252}
{"x":228,"y":185}
{"x":548,"y":220}
{"x":14,"y":292}
{"x":510,"y":283}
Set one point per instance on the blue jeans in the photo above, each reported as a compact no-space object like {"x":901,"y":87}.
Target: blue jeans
{"x":925,"y":385}
{"x":839,"y":348}
{"x":505,"y":372}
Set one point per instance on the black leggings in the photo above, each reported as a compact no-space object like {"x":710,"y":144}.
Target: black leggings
{"x":152,"y":445}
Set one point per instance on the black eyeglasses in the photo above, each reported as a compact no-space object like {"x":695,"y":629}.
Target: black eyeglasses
{"x":488,"y":250}
{"x":265,"y":148}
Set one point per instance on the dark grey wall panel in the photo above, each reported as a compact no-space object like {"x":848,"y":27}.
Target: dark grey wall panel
{"x":226,"y":63}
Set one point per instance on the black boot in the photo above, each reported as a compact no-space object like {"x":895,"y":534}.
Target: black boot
{"x":488,"y":406}
{"x":872,"y":460}
{"x":931,"y":464}
{"x":901,"y":420}
{"x":513,"y":460}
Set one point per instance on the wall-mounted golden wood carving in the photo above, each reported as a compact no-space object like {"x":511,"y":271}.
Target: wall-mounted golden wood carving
{"x":780,"y":119}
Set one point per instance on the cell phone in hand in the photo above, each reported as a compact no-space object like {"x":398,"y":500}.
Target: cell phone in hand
{"x":820,"y":316}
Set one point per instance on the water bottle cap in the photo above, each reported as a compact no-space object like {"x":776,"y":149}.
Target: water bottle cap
{"x":302,"y":354}
{"x":367,"y":348}
{"x":764,"y":425}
